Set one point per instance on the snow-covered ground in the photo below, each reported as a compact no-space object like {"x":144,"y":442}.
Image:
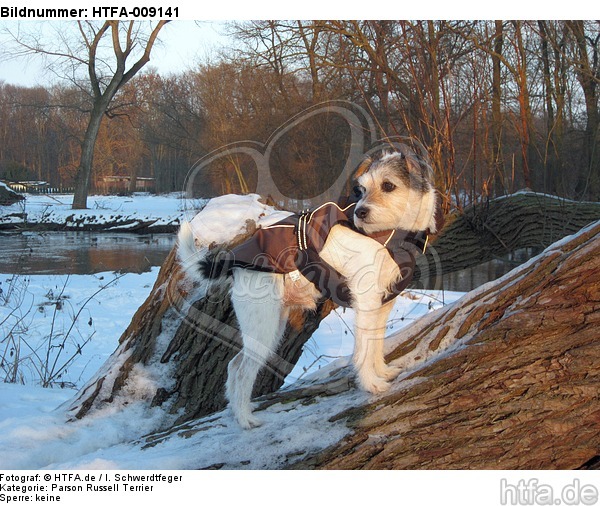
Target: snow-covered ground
{"x":124,"y":212}
{"x":86,"y":312}
{"x":33,"y":429}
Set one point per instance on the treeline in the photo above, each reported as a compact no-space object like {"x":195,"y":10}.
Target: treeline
{"x":500,"y":105}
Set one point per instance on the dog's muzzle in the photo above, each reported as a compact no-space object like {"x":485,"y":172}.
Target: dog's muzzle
{"x":361,"y":213}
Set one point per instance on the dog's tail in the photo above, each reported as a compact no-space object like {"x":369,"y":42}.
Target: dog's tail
{"x":188,"y":253}
{"x":198,"y":263}
{"x":216,"y":265}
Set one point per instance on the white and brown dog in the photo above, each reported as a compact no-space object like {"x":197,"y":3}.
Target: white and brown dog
{"x":361,"y":254}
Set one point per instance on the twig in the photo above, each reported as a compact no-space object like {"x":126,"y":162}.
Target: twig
{"x":75,"y":318}
{"x":51,"y":336}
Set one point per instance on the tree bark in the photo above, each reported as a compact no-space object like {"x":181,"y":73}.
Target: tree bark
{"x":498,"y":160}
{"x":494,"y":228}
{"x":191,"y":337}
{"x":507,"y":378}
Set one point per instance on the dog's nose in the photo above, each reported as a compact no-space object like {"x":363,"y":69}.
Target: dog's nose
{"x":361,"y":213}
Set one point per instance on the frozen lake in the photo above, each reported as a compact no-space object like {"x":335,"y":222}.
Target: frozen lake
{"x":92,"y":252}
{"x":82,"y":252}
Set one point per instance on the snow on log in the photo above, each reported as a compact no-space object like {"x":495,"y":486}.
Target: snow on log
{"x":8,"y":196}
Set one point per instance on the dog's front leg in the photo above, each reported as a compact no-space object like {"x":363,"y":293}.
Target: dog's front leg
{"x":372,"y":371}
{"x":383,"y":370}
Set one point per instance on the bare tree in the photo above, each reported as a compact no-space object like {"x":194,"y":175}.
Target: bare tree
{"x":587,"y":68}
{"x":103,"y":50}
{"x":496,"y":56}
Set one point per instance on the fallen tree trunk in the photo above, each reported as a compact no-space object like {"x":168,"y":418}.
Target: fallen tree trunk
{"x":507,"y":378}
{"x":494,"y":228}
{"x":181,"y":342}
{"x":8,"y":196}
{"x":20,"y":222}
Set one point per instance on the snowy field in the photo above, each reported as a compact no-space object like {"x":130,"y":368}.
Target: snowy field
{"x":125,"y":212}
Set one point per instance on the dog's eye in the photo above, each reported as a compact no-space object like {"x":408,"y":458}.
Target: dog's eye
{"x":388,"y":187}
{"x":358,"y":191}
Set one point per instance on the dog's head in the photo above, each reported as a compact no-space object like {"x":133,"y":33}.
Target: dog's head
{"x":395,"y":191}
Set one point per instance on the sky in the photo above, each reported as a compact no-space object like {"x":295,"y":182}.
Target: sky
{"x":183,"y":43}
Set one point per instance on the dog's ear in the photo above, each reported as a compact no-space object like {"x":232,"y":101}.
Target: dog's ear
{"x":413,"y":163}
{"x":363,"y":167}
{"x":420,"y":167}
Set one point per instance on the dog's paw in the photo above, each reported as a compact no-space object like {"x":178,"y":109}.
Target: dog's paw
{"x":388,"y":372}
{"x":249,"y":421}
{"x":374,"y":384}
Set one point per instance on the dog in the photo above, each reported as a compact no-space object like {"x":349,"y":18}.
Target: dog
{"x":360,"y":253}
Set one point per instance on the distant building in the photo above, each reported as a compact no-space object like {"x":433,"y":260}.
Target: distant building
{"x":120,"y":184}
{"x":29,"y":186}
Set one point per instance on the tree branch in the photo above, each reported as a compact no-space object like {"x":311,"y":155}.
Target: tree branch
{"x":91,"y":63}
{"x":146,"y":56}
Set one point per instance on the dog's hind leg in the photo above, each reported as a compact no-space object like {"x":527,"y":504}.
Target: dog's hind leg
{"x":373,"y":374}
{"x":257,"y":302}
